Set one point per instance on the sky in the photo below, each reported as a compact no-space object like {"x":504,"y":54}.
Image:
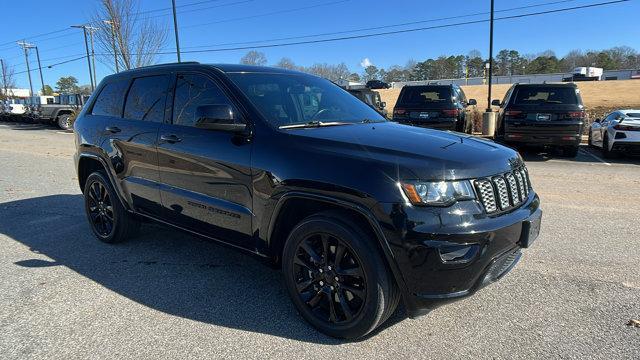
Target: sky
{"x":211,"y":23}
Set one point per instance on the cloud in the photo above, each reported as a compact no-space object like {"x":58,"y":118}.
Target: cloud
{"x":365,"y":63}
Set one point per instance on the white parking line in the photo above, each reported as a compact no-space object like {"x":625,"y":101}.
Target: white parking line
{"x":595,"y":157}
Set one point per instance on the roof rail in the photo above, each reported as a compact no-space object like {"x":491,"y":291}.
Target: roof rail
{"x":166,"y":64}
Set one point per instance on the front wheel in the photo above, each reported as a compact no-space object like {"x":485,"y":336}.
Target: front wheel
{"x":606,"y":152}
{"x":337,"y":278}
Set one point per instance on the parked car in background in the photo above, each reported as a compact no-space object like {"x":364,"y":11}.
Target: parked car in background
{"x":358,"y":212}
{"x":371,"y":98}
{"x":59,"y":110}
{"x":585,"y":73}
{"x":443,"y":107}
{"x":14,"y":107}
{"x":377,"y":84}
{"x":617,"y":134}
{"x":549,"y":115}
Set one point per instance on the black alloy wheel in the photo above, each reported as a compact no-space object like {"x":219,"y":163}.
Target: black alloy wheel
{"x":329,"y":278}
{"x":100,"y":209}
{"x":109,"y":220}
{"x":336,"y":276}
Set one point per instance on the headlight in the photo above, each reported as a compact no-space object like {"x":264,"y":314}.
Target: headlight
{"x":442,"y":193}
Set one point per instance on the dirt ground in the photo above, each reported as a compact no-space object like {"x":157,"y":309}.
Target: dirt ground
{"x":598,"y":96}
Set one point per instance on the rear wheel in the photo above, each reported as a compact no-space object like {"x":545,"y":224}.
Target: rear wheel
{"x":64,"y":122}
{"x":109,"y":220}
{"x":337,"y":278}
{"x":606,"y":153}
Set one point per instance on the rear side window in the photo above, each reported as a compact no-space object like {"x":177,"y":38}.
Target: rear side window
{"x":546,"y":95}
{"x":194,"y":90}
{"x":426,"y":95}
{"x":146,"y":99}
{"x":110,"y":99}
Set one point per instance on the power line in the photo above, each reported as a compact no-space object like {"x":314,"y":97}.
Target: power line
{"x":383,"y":26}
{"x":396,"y":31}
{"x":54,"y":65}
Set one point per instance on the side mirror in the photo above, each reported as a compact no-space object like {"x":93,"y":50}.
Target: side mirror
{"x":496,"y":102}
{"x":383,"y":104}
{"x":472,"y":102}
{"x":218,"y":117}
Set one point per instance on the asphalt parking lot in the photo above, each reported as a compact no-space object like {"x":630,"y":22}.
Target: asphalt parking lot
{"x":167,"y":294}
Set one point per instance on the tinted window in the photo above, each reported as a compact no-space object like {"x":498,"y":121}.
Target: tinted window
{"x":285,"y":99}
{"x":110,"y":99}
{"x":146,"y":99}
{"x":192,"y":91}
{"x":545,"y":95}
{"x":426,"y":95}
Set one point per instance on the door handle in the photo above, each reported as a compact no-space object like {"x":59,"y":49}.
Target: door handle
{"x":112,"y":129}
{"x":170,"y":138}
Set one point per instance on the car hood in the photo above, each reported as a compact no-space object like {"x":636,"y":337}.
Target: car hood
{"x":413,"y":152}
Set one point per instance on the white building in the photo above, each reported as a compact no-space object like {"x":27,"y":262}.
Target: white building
{"x":16,"y":93}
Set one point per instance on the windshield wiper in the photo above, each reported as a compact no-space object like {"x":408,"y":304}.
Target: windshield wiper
{"x":313,"y":124}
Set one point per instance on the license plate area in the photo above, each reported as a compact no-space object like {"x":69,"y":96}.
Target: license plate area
{"x":530,"y":230}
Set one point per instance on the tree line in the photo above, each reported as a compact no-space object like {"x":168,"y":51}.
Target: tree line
{"x":506,"y":62}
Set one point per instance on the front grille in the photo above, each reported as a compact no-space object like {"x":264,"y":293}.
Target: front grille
{"x":505,"y":191}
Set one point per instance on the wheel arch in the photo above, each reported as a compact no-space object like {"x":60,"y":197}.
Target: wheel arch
{"x":292,"y":207}
{"x":89,"y":163}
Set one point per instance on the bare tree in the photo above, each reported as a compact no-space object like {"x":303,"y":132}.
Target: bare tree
{"x":7,"y":79}
{"x":137,"y":38}
{"x":254,"y":58}
{"x":329,"y":71}
{"x":286,"y":63}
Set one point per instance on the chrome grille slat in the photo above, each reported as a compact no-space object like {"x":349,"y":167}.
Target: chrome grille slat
{"x":525,"y":181}
{"x":487,"y":196}
{"x":513,"y":189}
{"x":520,"y":185}
{"x":503,"y":194}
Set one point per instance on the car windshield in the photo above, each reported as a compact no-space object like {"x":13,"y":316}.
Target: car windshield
{"x":546,"y":95}
{"x":426,"y":95}
{"x":291,"y":99}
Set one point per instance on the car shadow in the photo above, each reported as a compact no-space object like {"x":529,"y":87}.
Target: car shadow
{"x":164,"y":269}
{"x":30,"y":125}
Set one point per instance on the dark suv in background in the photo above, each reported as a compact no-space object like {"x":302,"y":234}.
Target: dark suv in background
{"x":549,"y":115}
{"x":442,"y":107}
{"x":358,"y":212}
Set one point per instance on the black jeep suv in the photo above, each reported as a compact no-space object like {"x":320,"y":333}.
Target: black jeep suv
{"x":359,"y":212}
{"x":549,"y":115}
{"x":443,"y":107}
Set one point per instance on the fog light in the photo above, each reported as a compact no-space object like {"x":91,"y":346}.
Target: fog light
{"x":458,"y":254}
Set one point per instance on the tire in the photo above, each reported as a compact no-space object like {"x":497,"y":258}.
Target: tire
{"x":361,"y":269}
{"x":64,"y":122}
{"x":590,"y":141}
{"x":108,"y":219}
{"x":570,"y":151}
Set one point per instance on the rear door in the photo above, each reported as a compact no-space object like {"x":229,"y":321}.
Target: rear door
{"x":545,"y":111}
{"x":130,"y":130}
{"x":205,"y":174}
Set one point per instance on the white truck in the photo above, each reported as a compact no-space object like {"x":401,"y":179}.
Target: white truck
{"x":585,"y":73}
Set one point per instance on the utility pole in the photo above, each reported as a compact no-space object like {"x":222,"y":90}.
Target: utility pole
{"x":4,"y":78}
{"x":93,"y":54}
{"x":39,"y":66}
{"x":25,"y":47}
{"x":86,"y":46}
{"x":175,"y":29}
{"x":113,"y":41}
{"x":490,"y":58}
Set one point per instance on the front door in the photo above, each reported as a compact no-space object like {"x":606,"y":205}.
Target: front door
{"x":205,"y":174}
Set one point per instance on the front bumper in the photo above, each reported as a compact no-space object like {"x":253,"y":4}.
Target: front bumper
{"x":626,"y":146}
{"x":444,"y":254}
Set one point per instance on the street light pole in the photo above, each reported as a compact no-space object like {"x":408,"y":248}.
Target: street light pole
{"x":175,"y":29}
{"x":490,"y":58}
{"x":25,"y":47}
{"x":113,"y":42}
{"x":4,"y":77}
{"x":86,"y":46}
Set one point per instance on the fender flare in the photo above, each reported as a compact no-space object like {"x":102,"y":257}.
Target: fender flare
{"x":110,"y":175}
{"x":365,"y":212}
